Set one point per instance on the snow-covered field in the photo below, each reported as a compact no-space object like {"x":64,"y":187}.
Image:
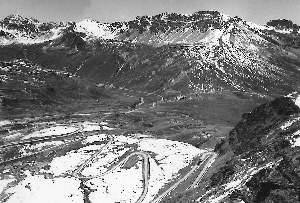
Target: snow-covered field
{"x":36,"y":188}
{"x":118,"y":185}
{"x":4,"y":122}
{"x":56,"y":130}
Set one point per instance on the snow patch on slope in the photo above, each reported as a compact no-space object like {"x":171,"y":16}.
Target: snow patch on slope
{"x":256,"y":26}
{"x":90,"y":126}
{"x":57,"y":130}
{"x":213,"y":37}
{"x":297,"y":101}
{"x":289,"y":123}
{"x":171,"y":155}
{"x":225,"y":17}
{"x":4,"y":183}
{"x":36,"y":189}
{"x":94,"y":29}
{"x":126,"y":184}
{"x":68,"y":163}
{"x":4,"y":122}
{"x":297,"y":141}
{"x":21,"y":38}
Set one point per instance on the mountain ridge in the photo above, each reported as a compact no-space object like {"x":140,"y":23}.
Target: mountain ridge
{"x":215,"y":53}
{"x":126,"y":30}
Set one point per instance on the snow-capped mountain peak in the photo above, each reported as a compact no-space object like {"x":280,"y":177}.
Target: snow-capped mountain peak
{"x":157,"y":30}
{"x":94,"y":29}
{"x":18,"y":19}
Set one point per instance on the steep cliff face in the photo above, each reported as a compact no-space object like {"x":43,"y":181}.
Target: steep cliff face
{"x":253,"y":131}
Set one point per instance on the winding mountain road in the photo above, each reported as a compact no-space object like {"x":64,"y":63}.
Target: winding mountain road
{"x":211,"y":158}
{"x":207,"y":160}
{"x":145,"y":168}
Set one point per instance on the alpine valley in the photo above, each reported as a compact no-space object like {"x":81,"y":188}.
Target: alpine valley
{"x":200,"y":107}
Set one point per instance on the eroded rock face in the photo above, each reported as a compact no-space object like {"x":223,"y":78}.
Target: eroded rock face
{"x":258,"y":125}
{"x":264,"y":166}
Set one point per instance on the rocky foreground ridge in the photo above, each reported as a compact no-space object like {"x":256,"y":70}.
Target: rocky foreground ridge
{"x":258,"y":161}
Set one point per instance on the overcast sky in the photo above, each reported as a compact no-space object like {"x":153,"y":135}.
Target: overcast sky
{"x":257,"y":11}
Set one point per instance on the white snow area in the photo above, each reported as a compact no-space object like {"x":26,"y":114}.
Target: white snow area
{"x":21,"y":38}
{"x":296,"y":133}
{"x":89,"y":126}
{"x":297,"y":101}
{"x":37,"y":189}
{"x":284,"y":31}
{"x":225,"y":17}
{"x":13,"y":136}
{"x":166,"y":159}
{"x":97,"y":137}
{"x":289,"y":123}
{"x":93,"y":28}
{"x":171,"y":155}
{"x":156,"y":181}
{"x":106,"y":128}
{"x":296,"y":142}
{"x":4,"y":183}
{"x":219,"y":67}
{"x":126,"y":184}
{"x":4,"y":122}
{"x":67,"y":164}
{"x":82,"y":114}
{"x":44,"y":144}
{"x":257,"y":27}
{"x":213,"y":37}
{"x":29,"y":149}
{"x":233,"y":184}
{"x":103,"y":161}
{"x":56,"y":130}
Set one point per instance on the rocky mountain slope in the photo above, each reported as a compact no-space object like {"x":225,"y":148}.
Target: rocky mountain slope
{"x":26,"y":87}
{"x":258,"y":161}
{"x":265,"y":166}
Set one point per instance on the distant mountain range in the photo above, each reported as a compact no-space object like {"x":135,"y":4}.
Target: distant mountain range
{"x":179,"y":55}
